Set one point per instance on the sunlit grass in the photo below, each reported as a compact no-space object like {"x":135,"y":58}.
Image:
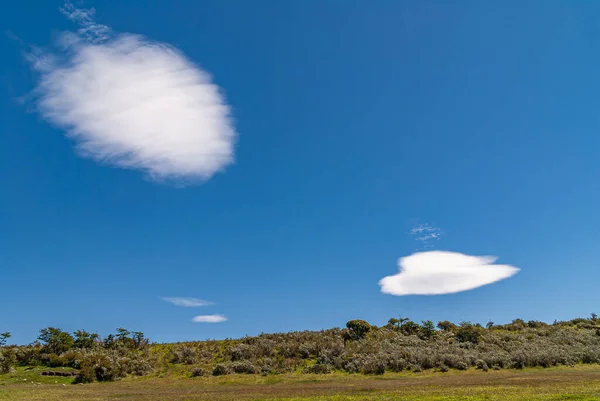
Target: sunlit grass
{"x":559,"y":383}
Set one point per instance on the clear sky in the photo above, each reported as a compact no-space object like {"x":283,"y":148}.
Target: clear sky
{"x":337,"y":134}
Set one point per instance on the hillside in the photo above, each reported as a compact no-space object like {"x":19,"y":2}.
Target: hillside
{"x":401,"y":345}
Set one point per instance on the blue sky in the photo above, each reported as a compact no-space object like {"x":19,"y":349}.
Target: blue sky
{"x":343,"y":126}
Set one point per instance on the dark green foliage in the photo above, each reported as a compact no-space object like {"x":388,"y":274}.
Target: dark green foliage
{"x":4,"y":338}
{"x":55,"y":341}
{"x":397,"y":323}
{"x":468,"y":332}
{"x":427,"y":330}
{"x":358,"y":329}
{"x":410,"y":328}
{"x":85,"y":340}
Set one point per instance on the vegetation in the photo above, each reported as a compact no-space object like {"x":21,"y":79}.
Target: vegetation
{"x":400,"y":346}
{"x":581,"y":383}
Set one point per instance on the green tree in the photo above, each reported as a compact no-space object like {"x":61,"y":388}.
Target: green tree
{"x":410,"y":328}
{"x":468,"y":332}
{"x":427,"y":330}
{"x":85,"y":340}
{"x":447,"y":326}
{"x":358,"y":328}
{"x":4,"y":338}
{"x":55,"y":340}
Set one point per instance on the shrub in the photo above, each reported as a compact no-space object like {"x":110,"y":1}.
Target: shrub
{"x":307,"y":349}
{"x":240,"y":351}
{"x":482,"y":365}
{"x":7,"y":360}
{"x":197,"y":372}
{"x":467,"y":332}
{"x":318,"y":369}
{"x":184,"y":354}
{"x":221,"y":369}
{"x":397,"y":364}
{"x":243,"y":367}
{"x":104,"y":365}
{"x":357,"y":329}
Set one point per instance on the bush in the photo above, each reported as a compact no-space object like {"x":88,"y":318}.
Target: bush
{"x":197,"y":372}
{"x":357,"y":329}
{"x":184,"y":354}
{"x":318,"y":369}
{"x":240,"y":351}
{"x":221,"y":369}
{"x":7,"y":361}
{"x":482,"y":365}
{"x":101,"y":366}
{"x":243,"y":367}
{"x":467,"y":332}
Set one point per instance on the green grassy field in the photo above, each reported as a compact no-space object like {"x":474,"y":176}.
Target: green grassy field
{"x":560,"y":383}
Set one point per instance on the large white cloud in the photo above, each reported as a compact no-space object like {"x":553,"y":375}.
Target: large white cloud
{"x":134,"y":103}
{"x":442,"y":272}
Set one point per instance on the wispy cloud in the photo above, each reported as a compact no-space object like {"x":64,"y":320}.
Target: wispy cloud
{"x":89,"y":28}
{"x":209,"y":319}
{"x":442,"y":272}
{"x":187,"y":301}
{"x":134,"y":103}
{"x":425,"y":233}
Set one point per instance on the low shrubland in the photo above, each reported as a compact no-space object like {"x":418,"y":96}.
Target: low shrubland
{"x":401,"y":345}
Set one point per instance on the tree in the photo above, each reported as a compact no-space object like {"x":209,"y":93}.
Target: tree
{"x":358,"y":328}
{"x":86,"y":340}
{"x":4,"y":338}
{"x":410,"y":328}
{"x":594,"y":316}
{"x":468,"y":332}
{"x":489,"y":325}
{"x":55,"y":340}
{"x":427,"y":330}
{"x":447,"y":326}
{"x":397,"y":323}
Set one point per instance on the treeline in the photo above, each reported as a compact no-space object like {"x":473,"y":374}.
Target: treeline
{"x":107,"y":359}
{"x":359,"y":348}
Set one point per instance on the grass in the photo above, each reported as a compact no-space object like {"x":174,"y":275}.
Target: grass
{"x":561,"y":383}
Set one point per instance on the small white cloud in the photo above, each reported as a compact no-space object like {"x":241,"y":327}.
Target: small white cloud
{"x":134,"y":103}
{"x":442,"y":272}
{"x":209,"y":319}
{"x":187,"y":301}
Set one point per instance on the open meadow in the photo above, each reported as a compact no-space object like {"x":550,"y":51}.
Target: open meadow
{"x":581,"y":382}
